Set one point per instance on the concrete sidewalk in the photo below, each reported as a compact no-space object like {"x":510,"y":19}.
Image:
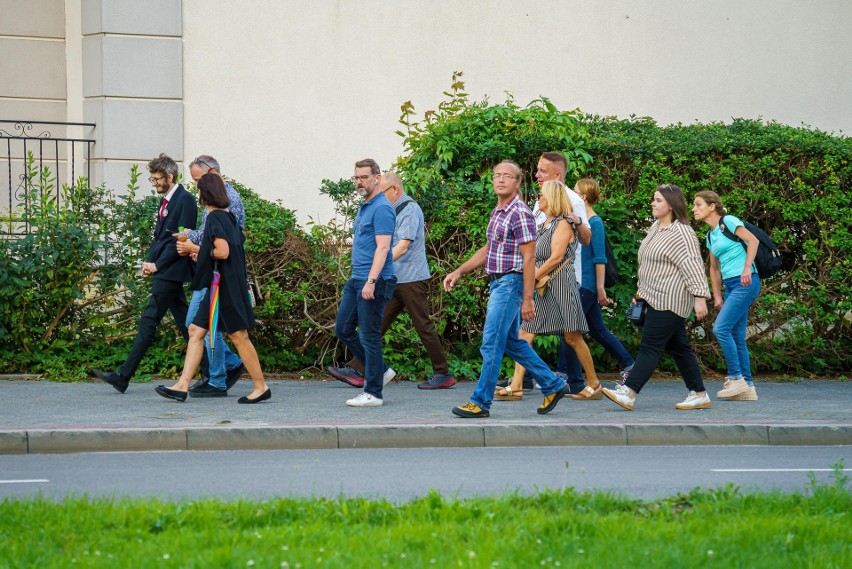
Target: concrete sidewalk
{"x":46,"y":417}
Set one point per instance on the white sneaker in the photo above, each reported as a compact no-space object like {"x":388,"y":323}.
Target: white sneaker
{"x":732,"y":388}
{"x":620,"y":395}
{"x":365,"y":400}
{"x":389,"y":375}
{"x":693,"y":401}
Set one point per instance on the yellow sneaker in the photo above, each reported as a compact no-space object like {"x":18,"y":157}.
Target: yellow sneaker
{"x":470,"y":411}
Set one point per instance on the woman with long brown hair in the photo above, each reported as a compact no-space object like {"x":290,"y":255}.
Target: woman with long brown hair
{"x":673,"y":284}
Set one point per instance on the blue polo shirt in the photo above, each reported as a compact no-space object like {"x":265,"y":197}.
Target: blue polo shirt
{"x":375,"y":217}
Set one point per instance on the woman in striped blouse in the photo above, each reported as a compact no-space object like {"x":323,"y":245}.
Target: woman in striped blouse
{"x":672,"y":283}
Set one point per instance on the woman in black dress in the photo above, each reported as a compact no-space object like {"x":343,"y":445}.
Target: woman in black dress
{"x":222,"y":248}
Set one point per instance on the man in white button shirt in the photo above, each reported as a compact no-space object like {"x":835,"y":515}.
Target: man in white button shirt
{"x":553,"y":166}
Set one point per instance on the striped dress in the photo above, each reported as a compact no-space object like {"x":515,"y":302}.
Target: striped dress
{"x":559,"y":310}
{"x":671,"y":270}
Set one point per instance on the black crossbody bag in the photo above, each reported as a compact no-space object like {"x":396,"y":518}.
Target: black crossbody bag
{"x":636,"y":312}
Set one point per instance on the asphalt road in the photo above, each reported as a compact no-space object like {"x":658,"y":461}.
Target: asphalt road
{"x":402,"y":474}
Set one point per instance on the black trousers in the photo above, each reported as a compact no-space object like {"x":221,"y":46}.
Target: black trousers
{"x":166,"y":296}
{"x":665,"y":330}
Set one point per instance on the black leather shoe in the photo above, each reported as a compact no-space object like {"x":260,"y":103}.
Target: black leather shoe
{"x":208,"y":390}
{"x":118,"y":381}
{"x":234,"y":375}
{"x":263,"y":397}
{"x":170,"y":393}
{"x":202,"y":382}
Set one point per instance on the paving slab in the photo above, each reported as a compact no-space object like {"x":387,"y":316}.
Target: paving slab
{"x":44,"y":416}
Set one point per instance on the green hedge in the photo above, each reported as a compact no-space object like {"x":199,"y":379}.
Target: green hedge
{"x":792,"y":182}
{"x":69,"y":298}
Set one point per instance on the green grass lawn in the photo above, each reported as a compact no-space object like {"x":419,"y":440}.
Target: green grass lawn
{"x":706,"y":528}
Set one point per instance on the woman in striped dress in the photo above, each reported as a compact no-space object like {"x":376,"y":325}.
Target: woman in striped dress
{"x":672,"y":283}
{"x":559,"y":311}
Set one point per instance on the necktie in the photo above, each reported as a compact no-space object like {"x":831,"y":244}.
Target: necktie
{"x":163,"y":208}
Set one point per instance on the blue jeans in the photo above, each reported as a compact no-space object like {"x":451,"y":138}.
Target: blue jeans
{"x":365,"y":344}
{"x":500,"y":336}
{"x":731,"y":323}
{"x":222,"y":359}
{"x":599,"y":332}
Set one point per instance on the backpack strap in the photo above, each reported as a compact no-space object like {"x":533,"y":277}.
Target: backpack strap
{"x":727,"y":232}
{"x":402,"y":206}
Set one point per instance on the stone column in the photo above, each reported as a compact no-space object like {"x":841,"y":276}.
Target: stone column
{"x":132,"y":84}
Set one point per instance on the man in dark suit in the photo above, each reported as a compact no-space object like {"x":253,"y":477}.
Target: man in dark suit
{"x":178,"y":208}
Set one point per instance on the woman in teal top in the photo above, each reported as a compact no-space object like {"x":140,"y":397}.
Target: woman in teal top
{"x":733,"y":265}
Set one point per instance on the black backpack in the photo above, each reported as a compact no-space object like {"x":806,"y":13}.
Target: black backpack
{"x":768,"y":258}
{"x":611,"y":272}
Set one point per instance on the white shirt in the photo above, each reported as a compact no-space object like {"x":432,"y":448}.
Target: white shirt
{"x":170,"y":193}
{"x":580,"y":211}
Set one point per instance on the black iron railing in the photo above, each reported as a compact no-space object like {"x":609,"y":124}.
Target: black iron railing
{"x":26,"y":145}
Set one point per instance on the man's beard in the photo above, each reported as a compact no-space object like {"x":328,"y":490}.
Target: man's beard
{"x":363,"y":192}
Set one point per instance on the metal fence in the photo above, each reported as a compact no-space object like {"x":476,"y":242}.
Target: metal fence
{"x":64,"y":148}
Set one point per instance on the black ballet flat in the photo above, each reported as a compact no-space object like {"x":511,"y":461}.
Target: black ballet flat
{"x":262,"y":397}
{"x":170,"y":393}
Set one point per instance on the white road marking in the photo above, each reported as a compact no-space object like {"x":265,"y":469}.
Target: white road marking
{"x":778,"y":470}
{"x":32,"y":481}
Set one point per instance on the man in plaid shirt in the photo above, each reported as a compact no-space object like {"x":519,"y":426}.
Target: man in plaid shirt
{"x":509,"y":260}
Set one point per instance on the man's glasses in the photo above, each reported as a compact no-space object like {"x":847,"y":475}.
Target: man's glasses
{"x":504,"y":177}
{"x":361,"y":178}
{"x":154,"y":179}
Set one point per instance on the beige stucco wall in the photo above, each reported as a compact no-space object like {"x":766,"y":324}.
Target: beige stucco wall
{"x":286,"y":93}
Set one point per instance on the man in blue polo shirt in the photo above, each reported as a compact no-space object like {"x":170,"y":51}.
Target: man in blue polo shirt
{"x":371,"y":283}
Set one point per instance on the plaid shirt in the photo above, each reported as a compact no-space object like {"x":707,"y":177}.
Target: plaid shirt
{"x":509,"y":228}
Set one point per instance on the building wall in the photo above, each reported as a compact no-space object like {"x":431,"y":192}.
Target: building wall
{"x":288,"y":93}
{"x":132,"y":69}
{"x":285,"y":93}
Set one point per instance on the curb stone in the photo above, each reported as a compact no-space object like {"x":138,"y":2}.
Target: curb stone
{"x":42,"y":441}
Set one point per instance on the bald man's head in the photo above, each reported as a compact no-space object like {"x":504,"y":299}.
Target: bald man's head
{"x":391,"y":185}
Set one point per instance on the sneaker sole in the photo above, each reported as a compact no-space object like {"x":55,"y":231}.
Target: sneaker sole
{"x":730,"y":395}
{"x":691,"y":407}
{"x":446,"y":385}
{"x":364,"y":404}
{"x":614,"y":400}
{"x":750,"y":395}
{"x":466,"y":415}
{"x":347,"y":380}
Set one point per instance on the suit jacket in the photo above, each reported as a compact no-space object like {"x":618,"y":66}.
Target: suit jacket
{"x":183,"y":212}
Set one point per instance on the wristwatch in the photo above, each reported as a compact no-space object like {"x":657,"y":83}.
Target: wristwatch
{"x":371,"y":281}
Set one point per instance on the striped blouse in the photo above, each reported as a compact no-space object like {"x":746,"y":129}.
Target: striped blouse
{"x":671,"y":271}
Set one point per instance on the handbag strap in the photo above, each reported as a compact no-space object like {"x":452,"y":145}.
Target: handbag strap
{"x":557,"y":270}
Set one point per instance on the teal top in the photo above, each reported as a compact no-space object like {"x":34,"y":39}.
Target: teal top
{"x":731,"y":254}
